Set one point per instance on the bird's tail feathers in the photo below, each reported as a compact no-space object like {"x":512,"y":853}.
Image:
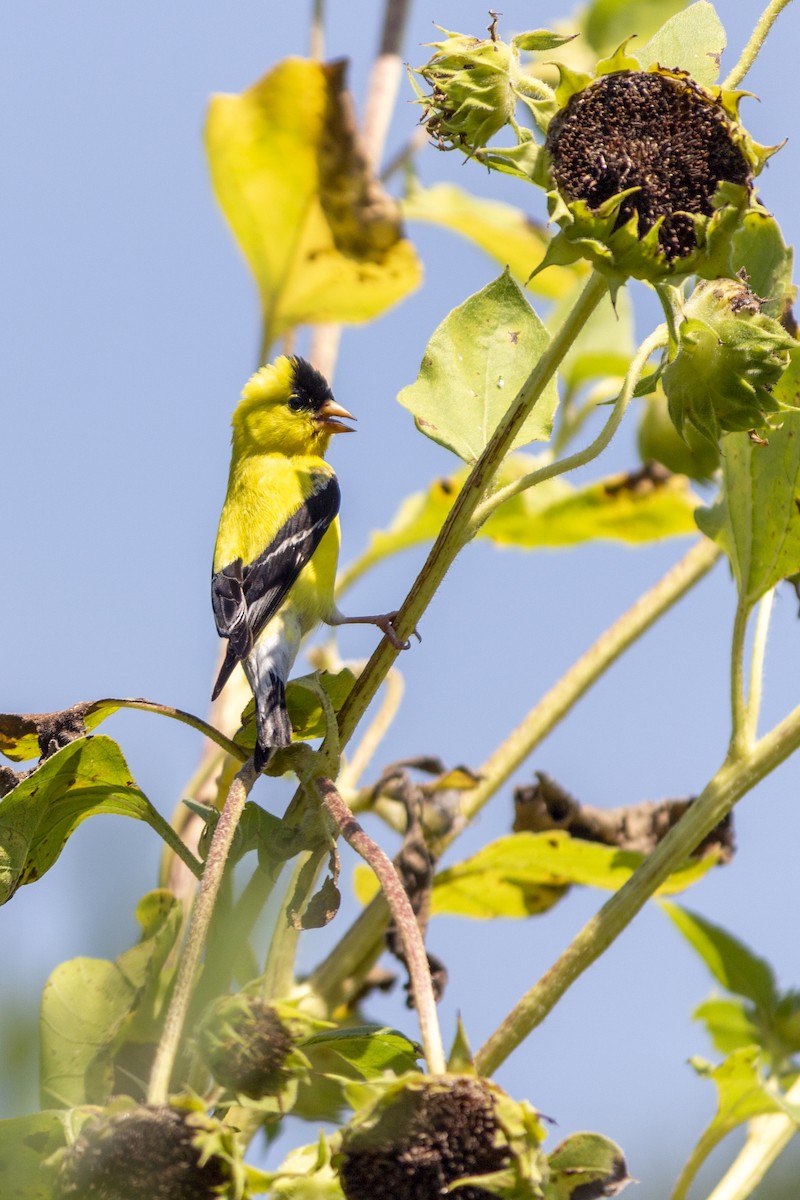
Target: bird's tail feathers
{"x":272,"y":720}
{"x":225,"y":672}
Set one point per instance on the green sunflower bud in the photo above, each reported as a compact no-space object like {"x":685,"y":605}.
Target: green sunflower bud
{"x":249,"y":1048}
{"x":728,"y":358}
{"x":658,"y":440}
{"x":648,"y":173}
{"x":424,"y":1135}
{"x":476,"y":84}
{"x":143,"y":1154}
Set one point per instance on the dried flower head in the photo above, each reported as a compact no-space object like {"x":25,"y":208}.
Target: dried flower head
{"x":249,"y":1046}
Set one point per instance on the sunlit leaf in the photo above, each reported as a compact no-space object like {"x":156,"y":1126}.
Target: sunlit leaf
{"x":729,"y":1024}
{"x":504,"y":232}
{"x":369,"y":1049}
{"x":25,"y":1142}
{"x":586,"y":1166}
{"x":322,"y":238}
{"x":692,"y":40}
{"x":475,"y":363}
{"x":742,"y":1094}
{"x":88,"y":1002}
{"x":526,"y":873}
{"x":607,"y":23}
{"x":87,"y":777}
{"x":731,"y":963}
{"x":759,"y":249}
{"x":756,"y":520}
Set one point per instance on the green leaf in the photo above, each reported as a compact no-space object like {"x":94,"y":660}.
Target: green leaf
{"x":474,"y":365}
{"x":89,"y":1006}
{"x":731,"y":963}
{"x":692,"y":40}
{"x":741,"y":1095}
{"x":505,"y":233}
{"x":759,"y":250}
{"x":586,"y":1166}
{"x":607,"y":23}
{"x":322,"y":238}
{"x":729,"y":1024}
{"x":86,"y":777}
{"x":25,"y":1142}
{"x":526,"y":873}
{"x":302,"y":703}
{"x":369,"y":1050}
{"x":756,"y":519}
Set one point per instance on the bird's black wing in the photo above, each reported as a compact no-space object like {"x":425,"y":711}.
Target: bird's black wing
{"x":245,"y":598}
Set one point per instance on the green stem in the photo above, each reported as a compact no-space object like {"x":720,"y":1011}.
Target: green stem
{"x":403,"y":915}
{"x":756,"y":678}
{"x":740,"y":740}
{"x":732,"y":781}
{"x":362,"y":944}
{"x":177,"y":714}
{"x":756,"y":41}
{"x":485,"y":509}
{"x":158,"y":1090}
{"x":455,"y":530}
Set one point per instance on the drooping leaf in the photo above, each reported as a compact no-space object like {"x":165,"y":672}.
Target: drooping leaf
{"x":692,"y":40}
{"x":586,"y":1166}
{"x":369,"y":1050}
{"x":322,"y":238}
{"x":526,"y":873}
{"x":86,"y":777}
{"x":607,"y":23}
{"x":731,"y":963}
{"x":742,"y":1094}
{"x":25,"y":1142}
{"x":89,"y":1004}
{"x":756,"y":520}
{"x":474,"y":365}
{"x":504,"y":232}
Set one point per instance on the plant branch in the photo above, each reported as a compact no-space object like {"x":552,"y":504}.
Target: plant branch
{"x":484,"y":510}
{"x":767,"y":1138}
{"x":756,"y":678}
{"x":755,"y":42}
{"x":740,"y":740}
{"x":158,"y":1090}
{"x":455,"y":529}
{"x":384,"y":80}
{"x":733,"y":780}
{"x":177,"y":714}
{"x":404,"y":919}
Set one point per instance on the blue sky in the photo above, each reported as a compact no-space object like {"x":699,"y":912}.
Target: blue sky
{"x":130,"y":325}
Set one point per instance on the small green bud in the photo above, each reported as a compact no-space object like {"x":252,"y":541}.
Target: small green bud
{"x":248,"y":1048}
{"x":426,"y":1134}
{"x":728,"y":358}
{"x":147,"y":1153}
{"x":658,"y":440}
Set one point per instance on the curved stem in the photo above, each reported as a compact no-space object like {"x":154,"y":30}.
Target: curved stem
{"x":740,"y":739}
{"x":403,"y":914}
{"x":767,"y":1138}
{"x":158,"y":1090}
{"x":732,"y":781}
{"x":755,"y":42}
{"x":484,"y":510}
{"x":177,"y":714}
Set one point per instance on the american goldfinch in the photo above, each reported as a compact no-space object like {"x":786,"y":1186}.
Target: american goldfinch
{"x":278,"y":540}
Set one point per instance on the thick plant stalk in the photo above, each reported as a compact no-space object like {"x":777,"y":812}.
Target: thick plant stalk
{"x":218,"y":851}
{"x":403,"y":914}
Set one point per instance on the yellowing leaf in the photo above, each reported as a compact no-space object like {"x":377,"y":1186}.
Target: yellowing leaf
{"x":526,"y":873}
{"x":504,"y":232}
{"x":322,"y":238}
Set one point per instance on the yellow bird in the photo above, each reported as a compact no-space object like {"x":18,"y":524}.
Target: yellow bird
{"x":278,"y":541}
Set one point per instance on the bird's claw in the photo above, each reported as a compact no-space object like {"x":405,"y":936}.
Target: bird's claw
{"x":386,"y":626}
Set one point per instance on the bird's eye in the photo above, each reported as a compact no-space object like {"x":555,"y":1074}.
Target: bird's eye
{"x":296,"y":403}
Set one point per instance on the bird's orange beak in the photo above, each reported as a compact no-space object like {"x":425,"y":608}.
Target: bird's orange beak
{"x":329,"y":418}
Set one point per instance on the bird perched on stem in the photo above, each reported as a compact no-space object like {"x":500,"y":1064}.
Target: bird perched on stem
{"x":278,"y":540}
